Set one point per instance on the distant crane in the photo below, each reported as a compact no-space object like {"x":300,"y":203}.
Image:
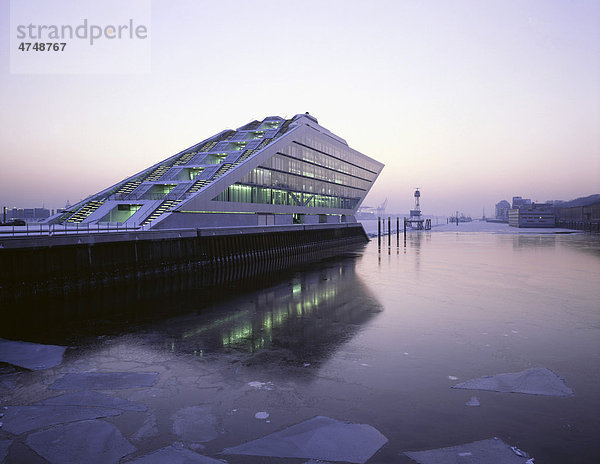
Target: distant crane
{"x":381,"y":208}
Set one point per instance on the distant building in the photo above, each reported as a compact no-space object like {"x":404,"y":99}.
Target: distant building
{"x":582,"y":214}
{"x":518,"y":202}
{"x":27,"y":214}
{"x":532,"y":215}
{"x":502,"y":208}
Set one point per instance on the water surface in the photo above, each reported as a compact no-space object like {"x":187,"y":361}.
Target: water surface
{"x":375,"y":337}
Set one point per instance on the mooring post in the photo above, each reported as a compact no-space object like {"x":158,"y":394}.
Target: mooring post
{"x":379,"y":233}
{"x":397,"y":231}
{"x":405,"y":232}
{"x":389,"y":231}
{"x":457,"y":219}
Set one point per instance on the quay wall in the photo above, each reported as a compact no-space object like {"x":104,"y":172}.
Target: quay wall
{"x":49,"y":266}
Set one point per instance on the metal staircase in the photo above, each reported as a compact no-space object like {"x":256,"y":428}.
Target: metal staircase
{"x":85,"y":211}
{"x":165,"y":206}
{"x":157,"y":173}
{"x":128,"y":187}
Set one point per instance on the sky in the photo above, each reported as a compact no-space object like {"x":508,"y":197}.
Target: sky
{"x":471,"y":101}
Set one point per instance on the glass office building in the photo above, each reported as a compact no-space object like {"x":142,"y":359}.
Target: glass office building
{"x":271,"y":172}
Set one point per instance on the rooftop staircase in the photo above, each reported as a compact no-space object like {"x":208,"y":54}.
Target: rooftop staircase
{"x":165,"y":206}
{"x":85,"y":211}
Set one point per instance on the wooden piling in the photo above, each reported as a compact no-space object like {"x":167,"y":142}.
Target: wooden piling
{"x":379,"y":233}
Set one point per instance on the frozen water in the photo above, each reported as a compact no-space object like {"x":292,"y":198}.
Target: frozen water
{"x":89,"y":442}
{"x":93,"y":399}
{"x":320,"y":438}
{"x":474,"y":401}
{"x":4,"y":445}
{"x":261,"y":385}
{"x":148,"y":429}
{"x":20,"y":419}
{"x":30,"y":355}
{"x":195,"y":424}
{"x":104,"y":380}
{"x":261,"y":415}
{"x":492,"y":450}
{"x":535,"y":381}
{"x":173,"y":455}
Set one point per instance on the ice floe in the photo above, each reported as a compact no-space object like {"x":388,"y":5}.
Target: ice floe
{"x":20,"y":419}
{"x":319,"y":438}
{"x":104,"y":380}
{"x":261,"y":385}
{"x":492,"y":450}
{"x":173,"y":455}
{"x":4,"y":445}
{"x":93,"y":399}
{"x":474,"y":401}
{"x":261,"y":415}
{"x":31,"y":356}
{"x":195,"y":424}
{"x":148,"y":429}
{"x":89,"y":442}
{"x":535,"y":381}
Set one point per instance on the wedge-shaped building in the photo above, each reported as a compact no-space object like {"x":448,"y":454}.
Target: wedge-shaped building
{"x":271,"y":172}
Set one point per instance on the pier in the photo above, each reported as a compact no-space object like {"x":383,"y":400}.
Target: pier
{"x":47,"y":266}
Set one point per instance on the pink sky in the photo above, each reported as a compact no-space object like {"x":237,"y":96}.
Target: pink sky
{"x":472,"y":101}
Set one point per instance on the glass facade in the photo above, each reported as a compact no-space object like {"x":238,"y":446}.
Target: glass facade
{"x":323,"y":175}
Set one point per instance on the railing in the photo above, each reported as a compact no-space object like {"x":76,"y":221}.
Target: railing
{"x":31,"y":230}
{"x":146,"y":196}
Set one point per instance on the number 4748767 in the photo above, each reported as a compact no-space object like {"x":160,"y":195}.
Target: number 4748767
{"x":42,"y":46}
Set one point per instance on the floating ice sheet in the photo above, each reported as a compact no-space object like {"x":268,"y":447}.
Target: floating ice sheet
{"x":320,"y":438}
{"x":173,"y":455}
{"x":492,"y":450}
{"x":535,"y":381}
{"x":104,"y":380}
{"x":20,"y":419}
{"x":30,"y":355}
{"x":89,"y":442}
{"x":93,"y":399}
{"x":474,"y":401}
{"x":4,"y":445}
{"x":148,"y":429}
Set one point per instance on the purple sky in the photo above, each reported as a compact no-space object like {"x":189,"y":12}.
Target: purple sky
{"x":472,"y":101}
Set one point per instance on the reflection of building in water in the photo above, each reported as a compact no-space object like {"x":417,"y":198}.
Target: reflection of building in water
{"x":306,"y":316}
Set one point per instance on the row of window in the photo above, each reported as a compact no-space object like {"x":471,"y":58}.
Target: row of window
{"x":268,"y":178}
{"x":346,"y":166}
{"x":302,"y":168}
{"x":340,"y":151}
{"x":239,"y":193}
